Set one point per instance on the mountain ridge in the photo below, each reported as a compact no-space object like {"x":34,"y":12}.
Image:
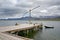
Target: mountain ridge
{"x":33,"y":18}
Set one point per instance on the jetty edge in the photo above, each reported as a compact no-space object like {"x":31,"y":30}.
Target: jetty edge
{"x":12,"y":29}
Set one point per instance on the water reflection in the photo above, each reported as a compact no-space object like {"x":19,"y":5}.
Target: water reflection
{"x":38,"y":35}
{"x":30,"y":34}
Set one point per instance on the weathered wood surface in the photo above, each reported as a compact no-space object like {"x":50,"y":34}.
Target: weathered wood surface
{"x":9,"y":37}
{"x":17,"y":27}
{"x":12,"y":28}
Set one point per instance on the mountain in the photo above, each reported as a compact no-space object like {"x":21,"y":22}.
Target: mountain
{"x":23,"y":18}
{"x":28,"y":18}
{"x":33,"y":18}
{"x":49,"y":16}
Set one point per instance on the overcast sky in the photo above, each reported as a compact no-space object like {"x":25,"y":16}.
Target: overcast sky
{"x":16,"y":8}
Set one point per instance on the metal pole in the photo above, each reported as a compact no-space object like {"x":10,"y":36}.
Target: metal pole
{"x":30,"y":16}
{"x":30,"y":13}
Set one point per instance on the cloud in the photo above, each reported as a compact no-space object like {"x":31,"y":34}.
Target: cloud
{"x":24,"y":4}
{"x":54,"y":10}
{"x":16,"y":8}
{"x":44,"y":11}
{"x":10,"y":12}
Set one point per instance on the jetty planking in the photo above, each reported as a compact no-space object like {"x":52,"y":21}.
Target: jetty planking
{"x":16,"y":28}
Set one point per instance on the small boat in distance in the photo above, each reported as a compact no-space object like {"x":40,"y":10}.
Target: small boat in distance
{"x":48,"y":27}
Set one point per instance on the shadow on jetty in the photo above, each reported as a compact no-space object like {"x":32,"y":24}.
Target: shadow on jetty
{"x":25,"y":33}
{"x":29,"y":34}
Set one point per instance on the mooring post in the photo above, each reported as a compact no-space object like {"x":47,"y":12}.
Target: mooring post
{"x":17,"y":33}
{"x":27,"y":32}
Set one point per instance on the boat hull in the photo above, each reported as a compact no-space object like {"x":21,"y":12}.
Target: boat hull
{"x":48,"y":27}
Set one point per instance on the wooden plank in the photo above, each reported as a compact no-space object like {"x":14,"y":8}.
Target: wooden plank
{"x":18,"y":27}
{"x":14,"y":28}
{"x":9,"y":37}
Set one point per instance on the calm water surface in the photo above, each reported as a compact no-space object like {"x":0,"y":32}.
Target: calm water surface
{"x":45,"y":34}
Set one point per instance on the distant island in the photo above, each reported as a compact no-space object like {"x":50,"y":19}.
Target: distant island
{"x":35,"y":18}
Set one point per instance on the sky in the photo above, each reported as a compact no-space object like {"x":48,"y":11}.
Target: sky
{"x":19,"y":8}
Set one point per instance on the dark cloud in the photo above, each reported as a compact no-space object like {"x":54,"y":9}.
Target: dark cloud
{"x":24,"y":5}
{"x":15,"y":8}
{"x":7,"y":12}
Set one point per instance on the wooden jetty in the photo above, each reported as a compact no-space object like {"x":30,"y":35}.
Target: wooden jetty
{"x":20,"y":27}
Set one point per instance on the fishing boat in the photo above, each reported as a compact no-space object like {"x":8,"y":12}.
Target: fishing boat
{"x":48,"y":27}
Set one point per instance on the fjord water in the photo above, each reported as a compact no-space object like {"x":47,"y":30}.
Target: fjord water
{"x":44,"y":34}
